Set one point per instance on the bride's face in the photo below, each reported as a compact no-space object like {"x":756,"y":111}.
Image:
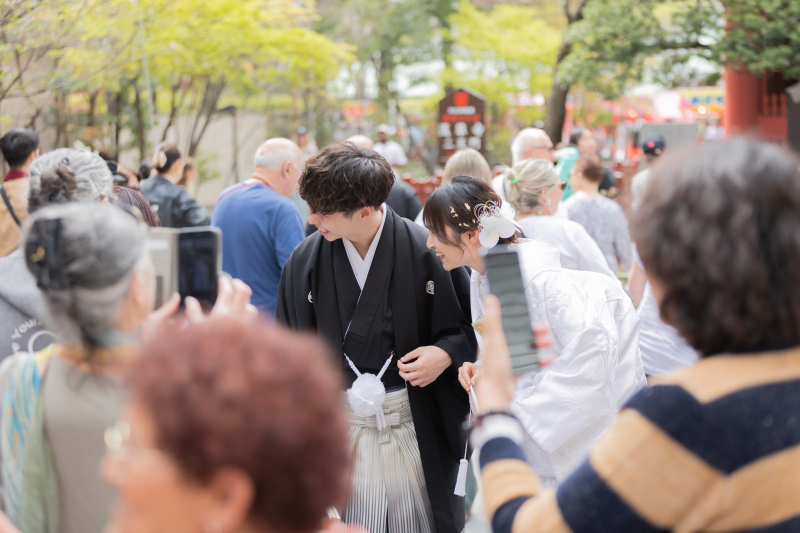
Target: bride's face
{"x":451,"y":255}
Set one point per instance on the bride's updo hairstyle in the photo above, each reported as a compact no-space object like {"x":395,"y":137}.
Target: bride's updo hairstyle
{"x":456,"y":205}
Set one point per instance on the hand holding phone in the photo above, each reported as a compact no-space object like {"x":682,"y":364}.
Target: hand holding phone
{"x":187,"y":261}
{"x":233,"y":301}
{"x":495,"y":388}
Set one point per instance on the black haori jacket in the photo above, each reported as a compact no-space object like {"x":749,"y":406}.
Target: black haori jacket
{"x":429,"y":306}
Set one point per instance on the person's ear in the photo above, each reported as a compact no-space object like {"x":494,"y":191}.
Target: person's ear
{"x":33,"y":156}
{"x":231,"y":494}
{"x":472,"y":236}
{"x":366,"y":212}
{"x":541,"y":200}
{"x":286,"y":169}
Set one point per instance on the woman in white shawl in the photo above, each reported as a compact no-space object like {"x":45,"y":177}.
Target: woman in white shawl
{"x":534,"y":191}
{"x":567,"y":405}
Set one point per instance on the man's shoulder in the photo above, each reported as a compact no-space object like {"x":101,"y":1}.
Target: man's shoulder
{"x":307,"y":248}
{"x":417,"y":233}
{"x":253,"y":195}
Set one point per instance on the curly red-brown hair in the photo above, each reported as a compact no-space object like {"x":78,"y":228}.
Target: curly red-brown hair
{"x":257,"y":398}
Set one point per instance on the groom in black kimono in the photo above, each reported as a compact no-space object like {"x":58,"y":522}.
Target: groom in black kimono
{"x":368,"y":284}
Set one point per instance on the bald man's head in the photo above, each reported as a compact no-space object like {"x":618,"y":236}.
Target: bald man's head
{"x":275,"y":152}
{"x":531,"y":143}
{"x":362,"y":141}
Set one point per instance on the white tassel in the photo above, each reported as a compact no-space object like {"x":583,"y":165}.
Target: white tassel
{"x":461,"y":480}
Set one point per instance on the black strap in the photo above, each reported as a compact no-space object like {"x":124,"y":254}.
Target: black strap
{"x":8,"y":205}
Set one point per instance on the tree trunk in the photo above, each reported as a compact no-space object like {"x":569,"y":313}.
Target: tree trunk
{"x":384,"y":68}
{"x":115,"y":109}
{"x":557,"y":104}
{"x":208,"y":107}
{"x":556,"y":111}
{"x":140,"y":135}
{"x":173,"y":110}
{"x":61,"y":121}
{"x":90,"y":121}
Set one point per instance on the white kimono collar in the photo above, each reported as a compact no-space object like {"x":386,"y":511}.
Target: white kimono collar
{"x":361,"y":266}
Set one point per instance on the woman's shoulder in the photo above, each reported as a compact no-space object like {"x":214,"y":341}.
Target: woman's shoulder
{"x":609,"y":204}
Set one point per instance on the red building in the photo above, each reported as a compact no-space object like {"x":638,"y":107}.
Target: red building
{"x":755,"y":105}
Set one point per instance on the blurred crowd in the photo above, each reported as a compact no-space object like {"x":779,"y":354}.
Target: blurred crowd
{"x":355,"y":336}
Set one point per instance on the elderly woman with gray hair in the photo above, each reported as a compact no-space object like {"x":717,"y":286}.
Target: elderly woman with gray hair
{"x":534,"y":191}
{"x":58,"y":176}
{"x":90,"y":263}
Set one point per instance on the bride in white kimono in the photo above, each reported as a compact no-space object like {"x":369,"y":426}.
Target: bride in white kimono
{"x":568,"y":404}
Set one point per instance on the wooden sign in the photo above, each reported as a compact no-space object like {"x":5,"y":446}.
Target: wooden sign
{"x":461,"y":123}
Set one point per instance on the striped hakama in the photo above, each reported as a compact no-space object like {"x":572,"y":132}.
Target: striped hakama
{"x":389,"y":493}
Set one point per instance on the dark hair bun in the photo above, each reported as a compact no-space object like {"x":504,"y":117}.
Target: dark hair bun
{"x":57,"y":187}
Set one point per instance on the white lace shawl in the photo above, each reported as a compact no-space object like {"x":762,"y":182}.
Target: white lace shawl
{"x":568,"y":405}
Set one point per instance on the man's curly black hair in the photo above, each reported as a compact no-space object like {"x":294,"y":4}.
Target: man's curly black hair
{"x":343,"y":178}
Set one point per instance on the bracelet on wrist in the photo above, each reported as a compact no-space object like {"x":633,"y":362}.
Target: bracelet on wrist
{"x":480,"y":418}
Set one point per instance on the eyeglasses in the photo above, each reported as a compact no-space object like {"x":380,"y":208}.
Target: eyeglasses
{"x":116,"y":438}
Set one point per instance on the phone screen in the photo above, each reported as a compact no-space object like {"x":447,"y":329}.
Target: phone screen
{"x":197,"y":266}
{"x":505,"y":282}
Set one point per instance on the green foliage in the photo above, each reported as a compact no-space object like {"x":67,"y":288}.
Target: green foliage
{"x":504,"y":50}
{"x":29,"y":29}
{"x":619,"y":42}
{"x":198,"y":52}
{"x":507,"y":49}
{"x":763,"y":36}
{"x":240,"y":41}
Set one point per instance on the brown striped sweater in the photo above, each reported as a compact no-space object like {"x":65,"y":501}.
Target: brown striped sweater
{"x":711,"y":448}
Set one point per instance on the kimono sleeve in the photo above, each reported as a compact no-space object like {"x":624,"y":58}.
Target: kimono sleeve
{"x":285,"y":311}
{"x":451,"y":327}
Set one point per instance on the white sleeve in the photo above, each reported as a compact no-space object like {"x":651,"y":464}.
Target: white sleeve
{"x":574,"y":392}
{"x":577,"y":389}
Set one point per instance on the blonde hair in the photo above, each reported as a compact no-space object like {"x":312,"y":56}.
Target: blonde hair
{"x":467,"y":162}
{"x":525,"y":182}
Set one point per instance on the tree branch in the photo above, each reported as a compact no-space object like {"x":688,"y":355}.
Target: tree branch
{"x":572,"y":18}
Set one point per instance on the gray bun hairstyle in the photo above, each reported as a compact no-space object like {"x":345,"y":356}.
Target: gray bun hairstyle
{"x":68,"y":175}
{"x":98,"y":248}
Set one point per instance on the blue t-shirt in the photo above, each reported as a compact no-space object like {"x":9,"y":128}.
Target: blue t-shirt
{"x":260,"y":229}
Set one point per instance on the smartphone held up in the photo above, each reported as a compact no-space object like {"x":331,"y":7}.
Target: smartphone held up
{"x":186,"y":260}
{"x":505,"y":282}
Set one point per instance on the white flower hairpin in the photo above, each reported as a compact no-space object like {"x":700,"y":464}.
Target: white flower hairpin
{"x":160,"y":159}
{"x":495,"y":222}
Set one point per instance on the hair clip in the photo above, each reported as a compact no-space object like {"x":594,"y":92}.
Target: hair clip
{"x":43,"y":254}
{"x":160,"y":159}
{"x":515,"y":179}
{"x":466,"y":205}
